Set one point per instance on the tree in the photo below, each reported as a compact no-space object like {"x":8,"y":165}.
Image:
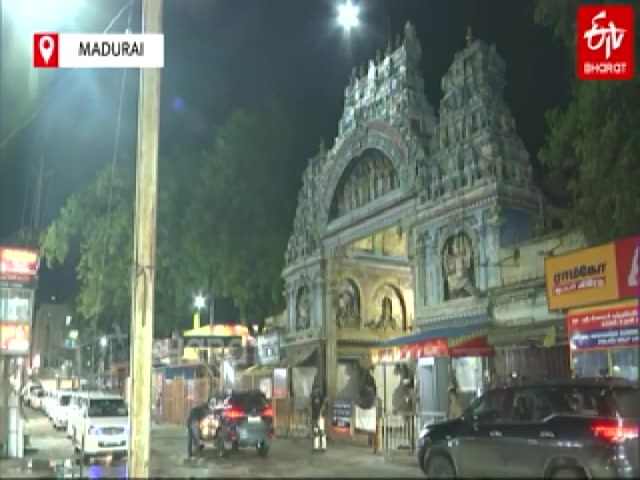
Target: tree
{"x":247,"y":185}
{"x":593,"y":143}
{"x":104,"y":237}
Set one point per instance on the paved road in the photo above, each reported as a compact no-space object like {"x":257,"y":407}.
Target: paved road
{"x":287,"y":458}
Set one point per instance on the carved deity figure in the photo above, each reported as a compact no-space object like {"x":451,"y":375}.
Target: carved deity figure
{"x":458,"y":264}
{"x":348,"y":311}
{"x":386,"y":321}
{"x":303,"y":310}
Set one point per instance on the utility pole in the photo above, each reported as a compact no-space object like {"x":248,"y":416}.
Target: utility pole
{"x":144,"y":254}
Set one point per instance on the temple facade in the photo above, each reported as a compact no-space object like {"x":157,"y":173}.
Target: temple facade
{"x":405,"y":225}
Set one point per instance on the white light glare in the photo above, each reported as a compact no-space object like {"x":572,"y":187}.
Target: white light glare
{"x":348,"y":14}
{"x":200,"y":301}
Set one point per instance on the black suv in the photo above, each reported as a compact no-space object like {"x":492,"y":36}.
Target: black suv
{"x":582,"y":428}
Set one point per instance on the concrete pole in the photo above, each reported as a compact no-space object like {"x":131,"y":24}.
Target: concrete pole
{"x":144,"y":254}
{"x":5,"y":405}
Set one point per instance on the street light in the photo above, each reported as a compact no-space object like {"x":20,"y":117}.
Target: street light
{"x":33,"y":14}
{"x":104,"y":341}
{"x":200,"y":302}
{"x":348,"y":15}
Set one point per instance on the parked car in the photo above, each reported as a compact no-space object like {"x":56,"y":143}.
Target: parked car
{"x":583,"y":428}
{"x":243,"y":419}
{"x":101,"y":427}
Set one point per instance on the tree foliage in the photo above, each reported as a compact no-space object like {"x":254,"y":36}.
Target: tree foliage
{"x":593,"y":142}
{"x":242,"y":209}
{"x":224,"y":218}
{"x":104,"y":238}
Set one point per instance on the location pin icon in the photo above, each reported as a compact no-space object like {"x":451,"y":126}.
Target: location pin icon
{"x":46,"y":48}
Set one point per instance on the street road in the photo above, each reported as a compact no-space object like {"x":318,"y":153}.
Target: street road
{"x":287,"y":458}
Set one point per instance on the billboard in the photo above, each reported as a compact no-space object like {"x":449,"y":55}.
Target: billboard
{"x":603,"y":327}
{"x":19,"y":264}
{"x":593,"y":275}
{"x":14,"y":338}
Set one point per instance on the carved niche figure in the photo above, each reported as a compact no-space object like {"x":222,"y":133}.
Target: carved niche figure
{"x":348,"y":312}
{"x":457,"y":260}
{"x":303,"y":309}
{"x":387,"y":319}
{"x":369,"y":176}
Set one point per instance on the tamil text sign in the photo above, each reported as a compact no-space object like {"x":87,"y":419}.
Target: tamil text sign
{"x":593,"y":275}
{"x":608,"y":326}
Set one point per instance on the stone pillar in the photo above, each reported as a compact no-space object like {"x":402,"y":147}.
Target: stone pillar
{"x":421,"y":294}
{"x":318,"y":300}
{"x":330,"y":330}
{"x":291,"y":307}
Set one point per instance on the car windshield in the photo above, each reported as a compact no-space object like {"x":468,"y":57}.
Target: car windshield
{"x":107,"y":407}
{"x":65,"y":400}
{"x":249,"y":401}
{"x":627,"y":402}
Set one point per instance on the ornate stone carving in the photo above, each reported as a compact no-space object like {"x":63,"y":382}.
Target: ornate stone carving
{"x":303,"y":309}
{"x":348,"y":313}
{"x":457,"y":262}
{"x":367,"y":177}
{"x":476,"y":131}
{"x":390,"y":310}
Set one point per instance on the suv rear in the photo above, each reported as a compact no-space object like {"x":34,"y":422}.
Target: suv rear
{"x":575,"y":429}
{"x":246,"y":421}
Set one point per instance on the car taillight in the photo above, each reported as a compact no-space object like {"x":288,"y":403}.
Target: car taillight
{"x":613,"y":432}
{"x":234,"y":413}
{"x":267,"y":412}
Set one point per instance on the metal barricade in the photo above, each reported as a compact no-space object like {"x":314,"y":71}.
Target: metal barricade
{"x":399,"y":431}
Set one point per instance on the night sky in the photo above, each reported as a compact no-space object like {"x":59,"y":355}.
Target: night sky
{"x":223,"y":54}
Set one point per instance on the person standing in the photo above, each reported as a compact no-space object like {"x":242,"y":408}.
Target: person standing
{"x":455,"y":404}
{"x":196,"y":415}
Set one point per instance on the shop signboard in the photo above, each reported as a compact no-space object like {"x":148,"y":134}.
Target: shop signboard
{"x":609,"y":326}
{"x":19,"y":264}
{"x":342,"y":414}
{"x":427,"y":348}
{"x":592,"y":276}
{"x":14,"y":338}
{"x":628,"y":267}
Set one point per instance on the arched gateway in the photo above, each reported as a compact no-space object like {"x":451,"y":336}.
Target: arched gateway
{"x":398,"y":222}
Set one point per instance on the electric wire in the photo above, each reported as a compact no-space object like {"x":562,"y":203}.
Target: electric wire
{"x":65,"y":76}
{"x":114,"y":164}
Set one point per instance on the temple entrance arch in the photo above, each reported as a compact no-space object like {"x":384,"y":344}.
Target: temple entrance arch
{"x":368,"y":177}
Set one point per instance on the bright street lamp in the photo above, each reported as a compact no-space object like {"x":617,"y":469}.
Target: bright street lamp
{"x":103,"y":342}
{"x":348,"y":15}
{"x":200,"y":302}
{"x":35,"y":14}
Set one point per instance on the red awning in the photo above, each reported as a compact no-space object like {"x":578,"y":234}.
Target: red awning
{"x":473,"y":347}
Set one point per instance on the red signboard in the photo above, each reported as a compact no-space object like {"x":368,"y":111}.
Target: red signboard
{"x":619,"y":316}
{"x":476,"y":347}
{"x":628,"y":267}
{"x":14,"y":338}
{"x":18,"y":264}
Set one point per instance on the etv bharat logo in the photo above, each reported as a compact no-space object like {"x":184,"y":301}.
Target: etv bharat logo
{"x":606,"y":42}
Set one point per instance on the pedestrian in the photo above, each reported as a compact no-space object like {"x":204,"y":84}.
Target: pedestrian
{"x":455,"y":404}
{"x":196,"y":415}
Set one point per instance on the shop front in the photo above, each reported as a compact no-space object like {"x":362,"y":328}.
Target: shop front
{"x":598,"y":290}
{"x":260,"y":375}
{"x":604,"y":339}
{"x":430,"y":363}
{"x":18,"y":280}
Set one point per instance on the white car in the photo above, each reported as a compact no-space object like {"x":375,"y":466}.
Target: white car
{"x":60,"y":408}
{"x":102,"y":426}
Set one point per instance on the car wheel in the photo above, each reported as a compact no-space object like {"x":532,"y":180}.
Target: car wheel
{"x":263,"y":449}
{"x":569,"y":473}
{"x":440,"y":467}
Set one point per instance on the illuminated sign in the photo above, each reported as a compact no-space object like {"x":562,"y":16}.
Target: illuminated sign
{"x":18,"y":264}
{"x":14,"y":339}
